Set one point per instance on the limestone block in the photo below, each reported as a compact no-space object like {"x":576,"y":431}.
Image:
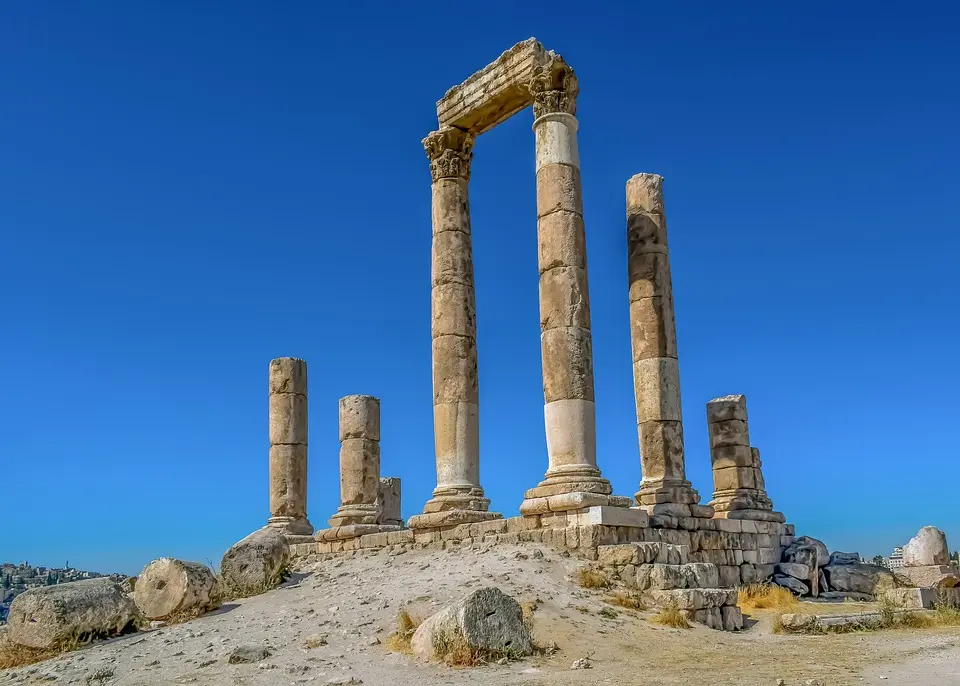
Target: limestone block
{"x":653,"y":329}
{"x":928,"y":547}
{"x":173,"y":588}
{"x":726,"y":408}
{"x":645,"y":193}
{"x":288,"y":375}
{"x":732,"y":478}
{"x":727,"y":456}
{"x":649,"y":276}
{"x":661,"y":448}
{"x":822,"y":556}
{"x":930,"y":576}
{"x":701,"y":575}
{"x":662,"y":577}
{"x":455,"y":376}
{"x":695,"y":598}
{"x":570,"y":372}
{"x":732,"y":618}
{"x":288,"y":418}
{"x":556,"y":140}
{"x":564,"y":298}
{"x":675,"y":510}
{"x":561,"y":241}
{"x":709,"y":617}
{"x":558,"y":188}
{"x":701,"y":511}
{"x":359,"y":417}
{"x":453,"y":311}
{"x":795,"y":569}
{"x":613,"y":516}
{"x":359,"y":471}
{"x":729,"y":576}
{"x":288,"y":480}
{"x":657,"y":389}
{"x":733,"y":432}
{"x":457,"y":442}
{"x":452,"y":259}
{"x":450,"y":206}
{"x":795,"y":585}
{"x":861,"y":578}
{"x":388,"y":500}
{"x":254,"y":564}
{"x":53,"y":616}
{"x":751,"y":574}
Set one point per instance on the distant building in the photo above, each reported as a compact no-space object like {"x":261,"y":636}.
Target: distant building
{"x":896,"y":558}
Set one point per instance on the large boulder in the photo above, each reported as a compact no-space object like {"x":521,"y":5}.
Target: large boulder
{"x":255,"y":564}
{"x":929,"y":576}
{"x":487,"y":621}
{"x":838,"y":558}
{"x":794,"y":569}
{"x":861,"y":578}
{"x":799,"y":551}
{"x":76,"y":612}
{"x":173,"y":589}
{"x":928,"y":547}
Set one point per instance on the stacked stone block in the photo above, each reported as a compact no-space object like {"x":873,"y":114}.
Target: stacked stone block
{"x":288,"y":446}
{"x":656,"y":371}
{"x":388,"y":501}
{"x":739,"y":491}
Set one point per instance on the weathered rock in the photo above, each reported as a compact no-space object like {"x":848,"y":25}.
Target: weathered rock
{"x":53,"y":616}
{"x":248,"y":655}
{"x":929,"y":576}
{"x":799,"y":622}
{"x":928,"y":547}
{"x":861,"y":578}
{"x":823,"y":555}
{"x":794,"y":569}
{"x":485,"y":620}
{"x":806,"y":555}
{"x":789,"y":582}
{"x":838,"y":558}
{"x":837,"y":595}
{"x":170,"y":588}
{"x":255,"y":564}
{"x":824,"y":584}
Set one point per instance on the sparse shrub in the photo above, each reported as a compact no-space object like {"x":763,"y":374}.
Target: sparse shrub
{"x":765,"y":597}
{"x":608,"y":613}
{"x":527,"y":608}
{"x":455,"y":652}
{"x":946,"y":615}
{"x":399,"y":640}
{"x":670,"y":615}
{"x":628,"y":599}
{"x":592,"y":578}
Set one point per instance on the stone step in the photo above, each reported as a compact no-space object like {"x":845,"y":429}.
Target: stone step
{"x":643,"y":553}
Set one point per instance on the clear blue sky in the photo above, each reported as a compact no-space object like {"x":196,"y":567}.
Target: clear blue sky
{"x":189,"y":189}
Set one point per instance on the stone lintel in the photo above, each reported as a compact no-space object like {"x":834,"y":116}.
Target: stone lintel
{"x":564,"y":502}
{"x":448,"y":518}
{"x":339,"y":533}
{"x":495,"y":93}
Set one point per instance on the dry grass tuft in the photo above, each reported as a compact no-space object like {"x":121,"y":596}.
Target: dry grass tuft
{"x":628,"y":599}
{"x":591,"y":578}
{"x":765,"y":597}
{"x":14,"y":655}
{"x":455,"y":652}
{"x":399,"y":640}
{"x":527,"y":608}
{"x":671,"y":616}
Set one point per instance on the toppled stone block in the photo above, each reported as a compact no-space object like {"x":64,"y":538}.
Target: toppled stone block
{"x":486,"y":620}
{"x":798,"y":552}
{"x":794,"y":569}
{"x":838,"y":558}
{"x":929,"y":576}
{"x":53,"y":616}
{"x":254,"y":564}
{"x":861,"y":578}
{"x":791,"y":583}
{"x":928,"y":547}
{"x":170,"y":588}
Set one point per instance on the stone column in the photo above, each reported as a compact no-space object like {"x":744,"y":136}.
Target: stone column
{"x":359,"y":461}
{"x":739,"y":491}
{"x":288,"y":446}
{"x":458,"y":496}
{"x":656,"y":372}
{"x":572,"y":480}
{"x":389,"y":501}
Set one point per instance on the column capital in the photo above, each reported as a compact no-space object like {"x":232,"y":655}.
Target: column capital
{"x":450,"y":151}
{"x":554,"y":87}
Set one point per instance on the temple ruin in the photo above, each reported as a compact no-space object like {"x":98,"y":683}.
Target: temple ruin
{"x":701,"y":552}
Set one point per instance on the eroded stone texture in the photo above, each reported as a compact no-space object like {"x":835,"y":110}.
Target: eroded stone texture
{"x":928,"y":547}
{"x":737,"y":477}
{"x":656,"y":371}
{"x":359,"y":461}
{"x":388,"y":499}
{"x":288,"y":446}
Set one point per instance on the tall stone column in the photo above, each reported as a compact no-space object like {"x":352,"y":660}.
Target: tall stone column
{"x":573,"y":479}
{"x":739,"y":491}
{"x":359,"y":461}
{"x":288,"y":446}
{"x":458,"y":496}
{"x":656,"y":372}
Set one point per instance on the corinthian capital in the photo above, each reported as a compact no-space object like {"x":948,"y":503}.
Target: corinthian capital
{"x":554,"y":87}
{"x":450,"y":152}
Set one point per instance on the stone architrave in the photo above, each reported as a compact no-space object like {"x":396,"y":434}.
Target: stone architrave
{"x":739,"y":491}
{"x":458,"y":497}
{"x":656,"y":373}
{"x":288,"y":446}
{"x":572,"y":480}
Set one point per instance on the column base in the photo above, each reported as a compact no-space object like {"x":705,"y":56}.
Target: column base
{"x":457,"y":498}
{"x":348,"y":515}
{"x":340,"y":533}
{"x":745,"y":503}
{"x":291,"y":525}
{"x":674,"y":497}
{"x":565,"y":502}
{"x":578,"y":478}
{"x":448,"y":518}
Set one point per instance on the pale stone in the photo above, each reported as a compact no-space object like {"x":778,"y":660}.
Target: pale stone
{"x":571,"y":432}
{"x":254,"y":564}
{"x":556,"y":140}
{"x":453,"y":311}
{"x":288,"y":481}
{"x":455,"y":370}
{"x":452,"y":258}
{"x":657,"y":389}
{"x":457,"y":443}
{"x":568,"y":373}
{"x":937,"y":576}
{"x":561,"y":241}
{"x":732,"y":478}
{"x":388,"y":500}
{"x":928,"y":547}
{"x":485,"y":620}
{"x":732,"y":618}
{"x":564,"y":298}
{"x":288,"y":375}
{"x":649,"y":277}
{"x":733,"y":432}
{"x":726,"y":408}
{"x":613,"y":516}
{"x":558,"y":188}
{"x":695,"y":598}
{"x":653,"y":330}
{"x":173,"y":588}
{"x":288,"y":418}
{"x":645,"y":193}
{"x":661,"y":448}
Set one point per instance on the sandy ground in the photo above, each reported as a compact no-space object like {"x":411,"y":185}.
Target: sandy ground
{"x":354,"y":603}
